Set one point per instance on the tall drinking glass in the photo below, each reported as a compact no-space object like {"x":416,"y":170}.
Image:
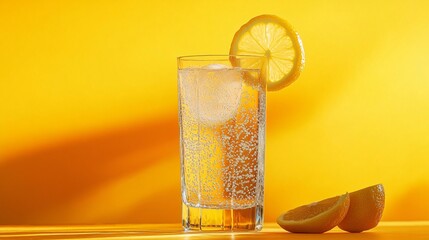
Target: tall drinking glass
{"x":222,"y":142}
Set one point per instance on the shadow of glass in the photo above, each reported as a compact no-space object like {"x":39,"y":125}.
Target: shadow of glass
{"x":35,"y":181}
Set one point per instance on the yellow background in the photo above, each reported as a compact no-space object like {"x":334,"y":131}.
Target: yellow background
{"x":88,"y":106}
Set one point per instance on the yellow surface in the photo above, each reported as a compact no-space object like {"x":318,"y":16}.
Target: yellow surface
{"x":385,"y":231}
{"x":88,"y":106}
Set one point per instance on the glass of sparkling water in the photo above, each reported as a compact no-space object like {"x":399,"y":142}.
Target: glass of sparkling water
{"x":222,"y":142}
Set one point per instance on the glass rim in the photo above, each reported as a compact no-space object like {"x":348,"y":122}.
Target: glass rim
{"x":212,"y":57}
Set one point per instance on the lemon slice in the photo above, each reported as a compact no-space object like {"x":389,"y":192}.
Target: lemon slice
{"x":317,"y":217}
{"x":274,"y":38}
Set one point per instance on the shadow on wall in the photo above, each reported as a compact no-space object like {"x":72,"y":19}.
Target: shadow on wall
{"x":35,"y":182}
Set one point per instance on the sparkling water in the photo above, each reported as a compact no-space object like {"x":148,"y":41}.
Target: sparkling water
{"x":222,"y":124}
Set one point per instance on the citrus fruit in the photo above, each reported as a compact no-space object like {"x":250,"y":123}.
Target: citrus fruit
{"x":317,"y":217}
{"x":366,"y":208}
{"x":274,"y":38}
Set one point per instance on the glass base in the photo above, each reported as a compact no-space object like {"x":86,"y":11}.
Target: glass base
{"x":212,"y":219}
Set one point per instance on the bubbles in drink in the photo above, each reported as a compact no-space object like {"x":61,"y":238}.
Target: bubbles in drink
{"x":222,"y":124}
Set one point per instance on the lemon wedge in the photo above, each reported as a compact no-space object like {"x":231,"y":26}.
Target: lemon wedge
{"x":317,"y":217}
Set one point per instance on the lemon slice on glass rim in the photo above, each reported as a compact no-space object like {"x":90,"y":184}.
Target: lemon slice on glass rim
{"x":274,"y":38}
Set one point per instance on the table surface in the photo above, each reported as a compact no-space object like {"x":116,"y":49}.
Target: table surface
{"x":385,"y":230}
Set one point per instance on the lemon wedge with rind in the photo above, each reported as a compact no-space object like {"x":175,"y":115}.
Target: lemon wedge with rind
{"x":274,"y":38}
{"x":317,"y":217}
{"x":366,"y":209}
